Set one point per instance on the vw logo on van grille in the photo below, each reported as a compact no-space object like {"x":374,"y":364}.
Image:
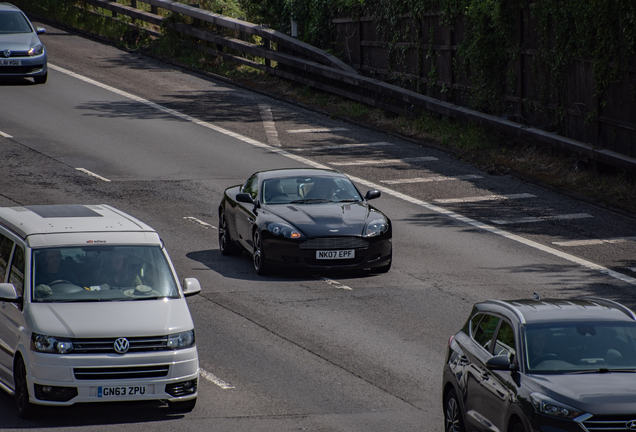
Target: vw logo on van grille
{"x":7,"y":53}
{"x":122,"y":345}
{"x":631,"y":425}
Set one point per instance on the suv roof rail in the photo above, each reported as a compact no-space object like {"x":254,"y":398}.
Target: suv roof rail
{"x":627,"y":311}
{"x":516,"y":311}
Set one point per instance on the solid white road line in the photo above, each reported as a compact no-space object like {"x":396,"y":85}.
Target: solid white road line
{"x":317,"y":130}
{"x":269,"y":125}
{"x":431,"y":207}
{"x":543,"y":218}
{"x":6,"y":135}
{"x":212,"y":378}
{"x":385,"y":161}
{"x":435,"y":178}
{"x":200,"y":222}
{"x":92,"y":174}
{"x":342,"y":146}
{"x":483,"y":198}
{"x":595,"y":241}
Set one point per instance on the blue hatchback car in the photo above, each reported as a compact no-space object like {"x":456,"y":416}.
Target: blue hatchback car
{"x":22,"y":54}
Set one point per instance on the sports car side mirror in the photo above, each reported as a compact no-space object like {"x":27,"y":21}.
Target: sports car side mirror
{"x":372,"y":194}
{"x":244,"y":198}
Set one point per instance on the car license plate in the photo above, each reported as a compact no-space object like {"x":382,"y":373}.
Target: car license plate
{"x":336,"y":254}
{"x":119,"y":391}
{"x":10,"y":62}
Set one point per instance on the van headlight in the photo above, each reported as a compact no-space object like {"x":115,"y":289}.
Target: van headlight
{"x":375,"y":228}
{"x":51,"y":344}
{"x":36,"y":50}
{"x":181,"y":340}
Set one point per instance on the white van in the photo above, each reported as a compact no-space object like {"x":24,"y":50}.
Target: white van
{"x":91,"y":310}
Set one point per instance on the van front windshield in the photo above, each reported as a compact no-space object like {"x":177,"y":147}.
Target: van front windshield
{"x":101,"y":273}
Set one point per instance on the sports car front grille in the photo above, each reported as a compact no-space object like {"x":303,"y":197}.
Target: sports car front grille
{"x":610,"y":423}
{"x":121,"y":373}
{"x":326,"y":243}
{"x":107,"y":345}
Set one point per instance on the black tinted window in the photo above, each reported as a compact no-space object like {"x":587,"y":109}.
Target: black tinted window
{"x":17,"y":270}
{"x":251,"y":186}
{"x":485,"y":330}
{"x":6,"y":245}
{"x":505,"y":344}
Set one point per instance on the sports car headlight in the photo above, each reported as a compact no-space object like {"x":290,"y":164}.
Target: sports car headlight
{"x":51,"y":344}
{"x":36,"y":50}
{"x":281,"y":229}
{"x":549,"y":406}
{"x":375,"y":228}
{"x":181,"y":340}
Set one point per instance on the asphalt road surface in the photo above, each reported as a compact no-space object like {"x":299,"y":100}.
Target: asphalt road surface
{"x":291,"y":351}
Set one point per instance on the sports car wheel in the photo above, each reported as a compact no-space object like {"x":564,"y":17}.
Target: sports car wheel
{"x":24,"y":407}
{"x":226,"y":244}
{"x":259,"y":254}
{"x":453,"y":421}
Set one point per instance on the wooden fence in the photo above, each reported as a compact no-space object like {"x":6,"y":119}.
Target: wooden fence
{"x":284,"y":56}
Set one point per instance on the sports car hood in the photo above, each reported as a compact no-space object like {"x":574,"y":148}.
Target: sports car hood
{"x":19,"y":41}
{"x":111,"y":319}
{"x":597,"y":393}
{"x":326,"y":219}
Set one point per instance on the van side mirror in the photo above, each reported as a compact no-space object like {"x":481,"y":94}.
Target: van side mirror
{"x":191,"y":286}
{"x":9,"y":294}
{"x":372,"y":194}
{"x":244,"y":198}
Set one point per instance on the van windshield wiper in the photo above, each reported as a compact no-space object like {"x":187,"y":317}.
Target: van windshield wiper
{"x":601,"y":370}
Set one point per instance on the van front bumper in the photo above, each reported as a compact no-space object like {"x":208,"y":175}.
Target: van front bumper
{"x":64,"y":380}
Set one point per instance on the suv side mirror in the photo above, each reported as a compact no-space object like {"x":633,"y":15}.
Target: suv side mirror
{"x":244,"y":198}
{"x":191,"y":286}
{"x":500,"y":362}
{"x":8,"y":293}
{"x":372,"y":194}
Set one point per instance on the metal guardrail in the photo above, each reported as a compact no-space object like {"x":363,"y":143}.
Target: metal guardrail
{"x":303,"y":63}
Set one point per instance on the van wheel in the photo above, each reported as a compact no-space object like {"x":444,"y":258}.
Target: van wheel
{"x":182,"y":407}
{"x":25,"y":408}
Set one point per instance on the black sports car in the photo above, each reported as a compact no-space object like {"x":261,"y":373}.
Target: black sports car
{"x":310,"y":218}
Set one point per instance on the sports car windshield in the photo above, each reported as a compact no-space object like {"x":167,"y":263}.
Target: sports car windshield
{"x":309,"y":190}
{"x":581,"y":347}
{"x":13,"y":22}
{"x":101,"y":273}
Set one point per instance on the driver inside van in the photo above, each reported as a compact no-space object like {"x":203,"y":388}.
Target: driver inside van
{"x":52,"y":269}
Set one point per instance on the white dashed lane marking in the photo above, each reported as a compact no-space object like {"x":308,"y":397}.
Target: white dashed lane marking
{"x":269,"y":125}
{"x":317,"y":130}
{"x":385,"y":161}
{"x":484,"y":198}
{"x":543,"y":218}
{"x":342,"y":146}
{"x":334,"y":283}
{"x":212,"y":378}
{"x":92,"y":174}
{"x":200,"y":222}
{"x":394,"y":193}
{"x":6,"y":135}
{"x":435,"y":178}
{"x":594,"y":241}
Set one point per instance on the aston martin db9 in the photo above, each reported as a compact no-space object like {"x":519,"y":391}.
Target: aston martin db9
{"x":310,"y":218}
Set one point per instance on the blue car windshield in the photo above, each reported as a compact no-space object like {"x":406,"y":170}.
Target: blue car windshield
{"x":580,"y":347}
{"x":101,"y":273}
{"x":309,"y":190}
{"x":13,"y":22}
